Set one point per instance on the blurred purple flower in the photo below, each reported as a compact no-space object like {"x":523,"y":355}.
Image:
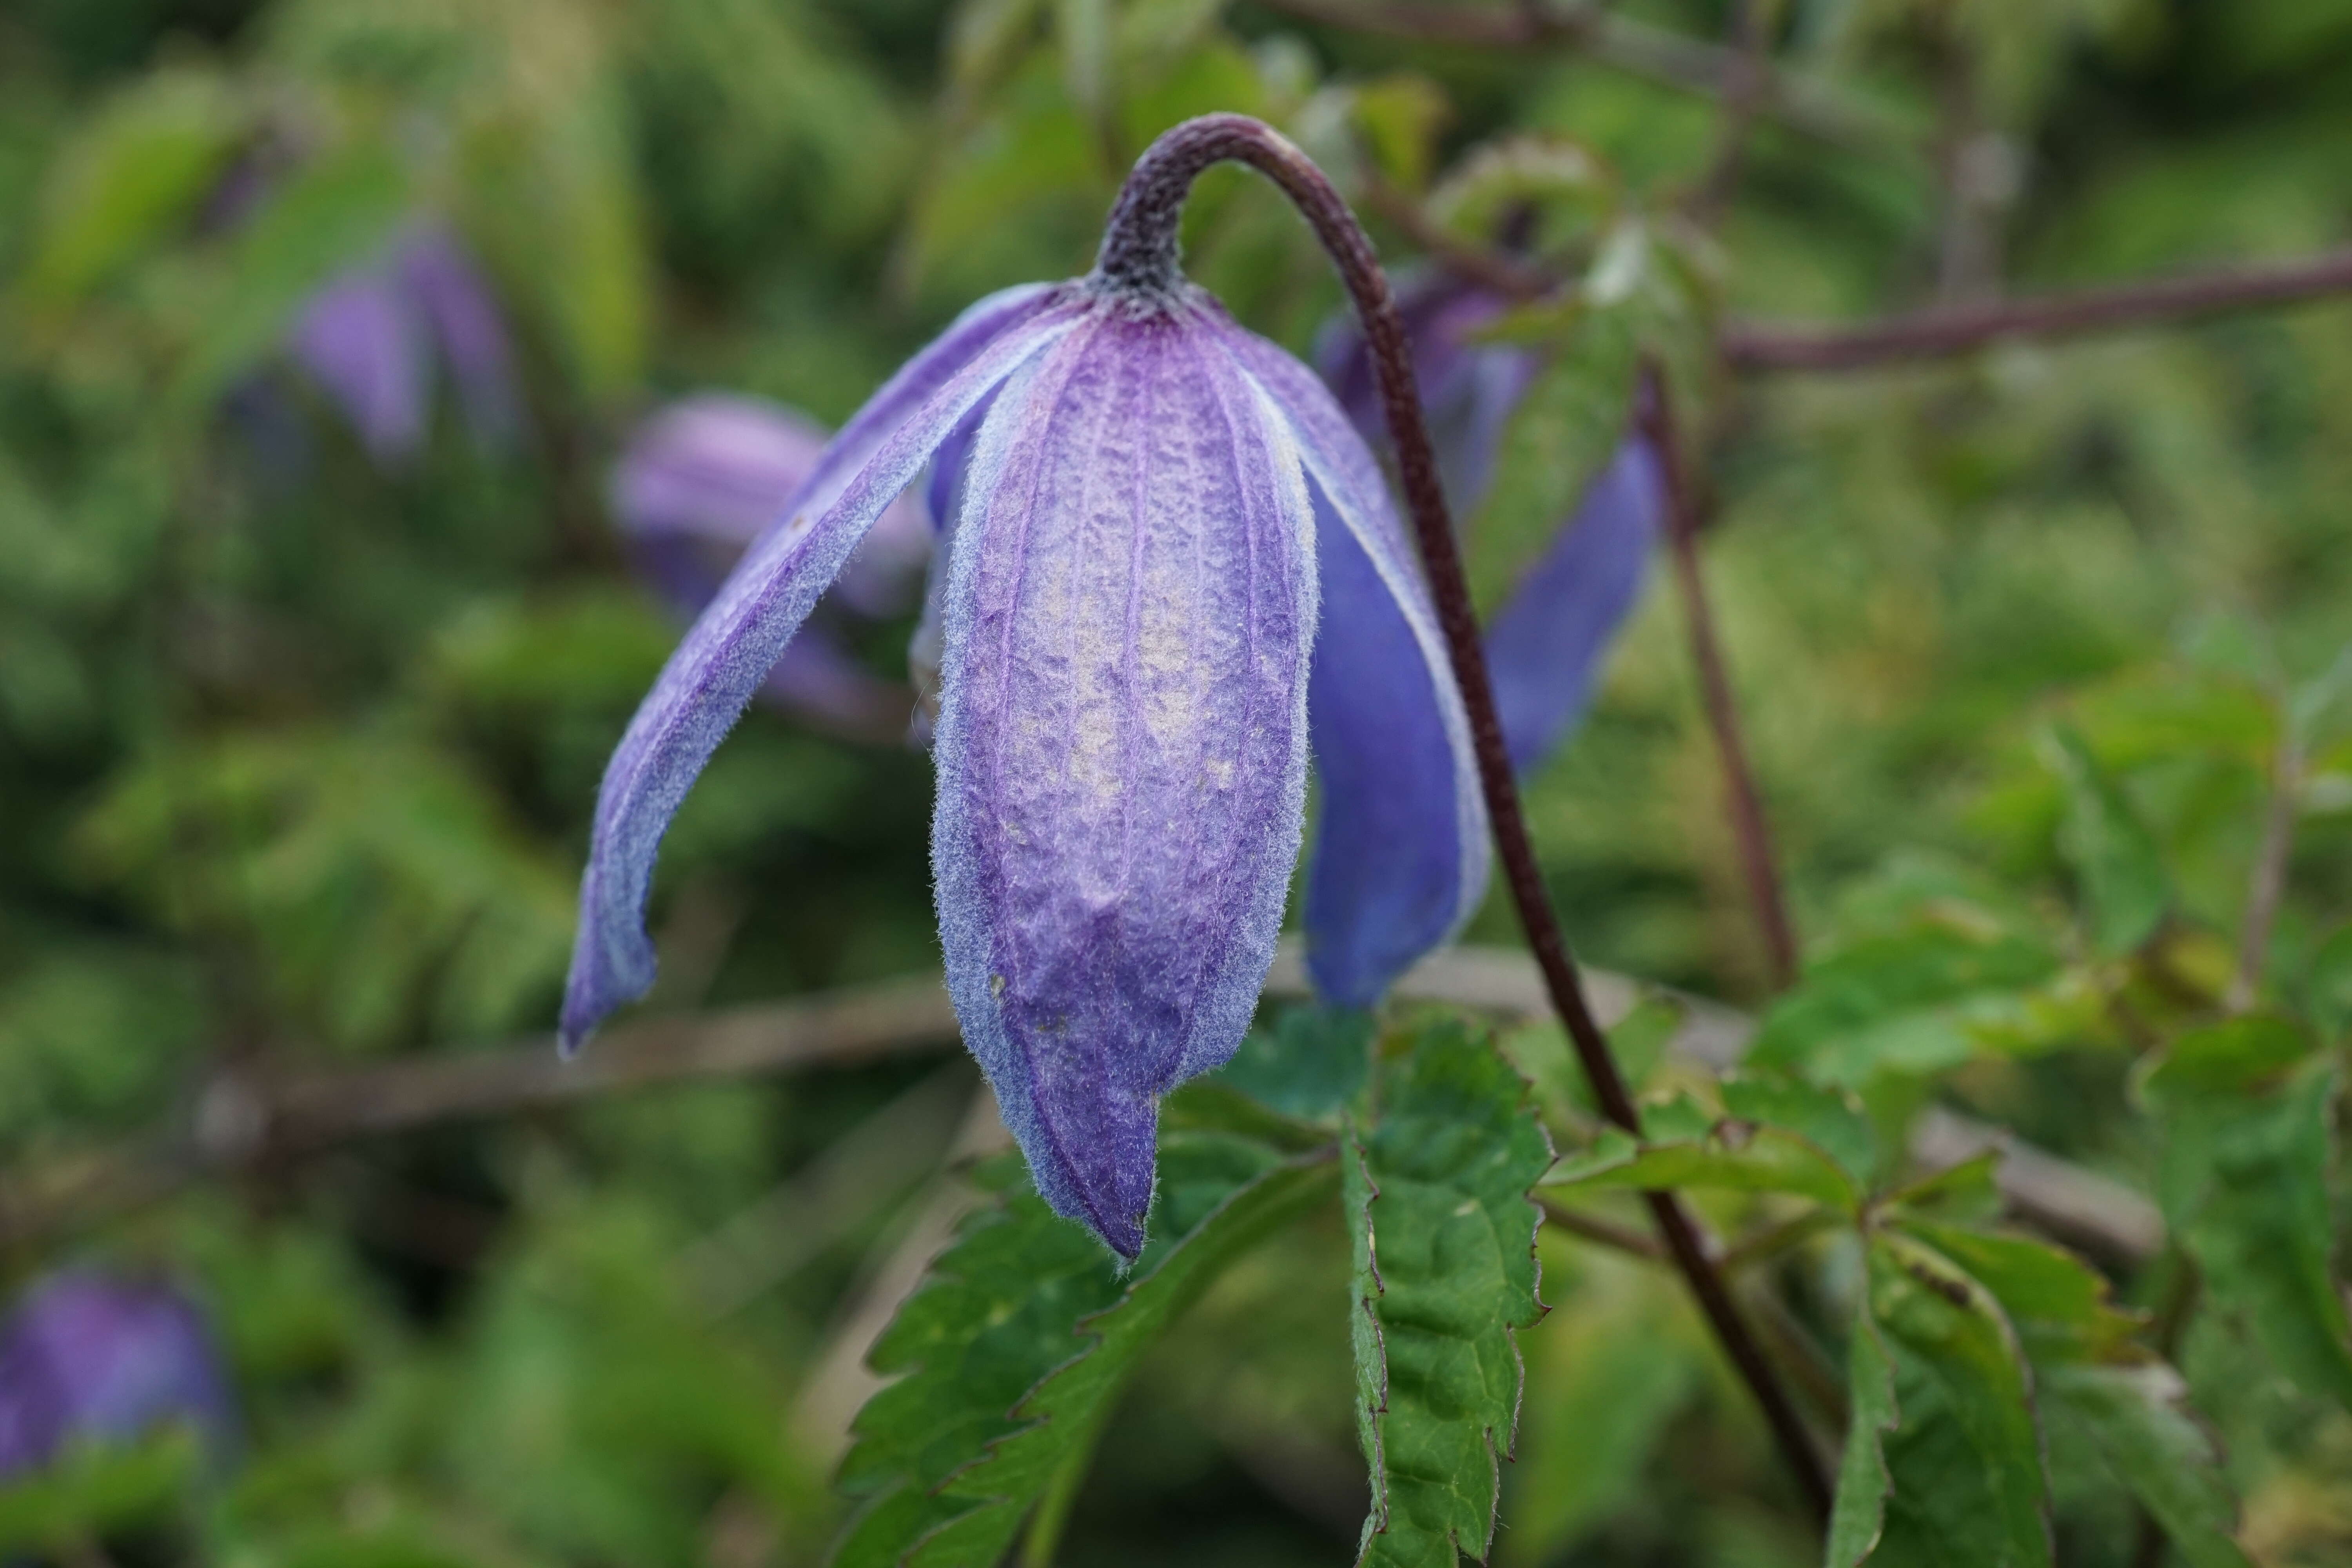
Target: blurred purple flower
{"x":702,"y":479}
{"x":1547,"y":642}
{"x":1169,"y":554}
{"x":370,"y":339}
{"x":87,"y":1357}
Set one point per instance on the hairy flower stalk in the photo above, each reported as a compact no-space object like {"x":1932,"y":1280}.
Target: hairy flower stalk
{"x":1171,"y":570}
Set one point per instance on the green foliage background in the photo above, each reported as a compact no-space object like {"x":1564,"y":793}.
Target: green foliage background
{"x":295,"y":771}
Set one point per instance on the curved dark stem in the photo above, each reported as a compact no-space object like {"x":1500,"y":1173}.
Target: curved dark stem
{"x":1138,"y":251}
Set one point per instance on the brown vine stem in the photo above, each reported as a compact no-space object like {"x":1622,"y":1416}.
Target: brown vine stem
{"x":1138,"y":250}
{"x":1752,"y":833}
{"x":1940,"y":333}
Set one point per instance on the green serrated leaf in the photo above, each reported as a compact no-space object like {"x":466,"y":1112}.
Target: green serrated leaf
{"x":1436,"y":1196}
{"x":1058,"y":1420}
{"x":2059,"y":1305}
{"x":1986,"y":1442}
{"x":1831,"y":1121}
{"x":1014,"y":1346}
{"x":2136,"y":1419}
{"x":1858,"y":1516}
{"x":2244,"y":1185}
{"x":2117,"y":866}
{"x":1735,"y":1155}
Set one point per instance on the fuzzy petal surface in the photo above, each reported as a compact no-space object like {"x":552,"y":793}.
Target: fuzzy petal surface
{"x":1546,"y":645}
{"x":1400,"y":850}
{"x":739,"y":639}
{"x":1122,"y":740}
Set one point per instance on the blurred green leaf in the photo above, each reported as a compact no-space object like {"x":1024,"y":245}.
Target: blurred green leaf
{"x":2244,"y":1185}
{"x":1916,"y":1001}
{"x":91,"y":1488}
{"x":2137,"y":1417}
{"x":1436,"y":1196}
{"x":2117,"y":866}
{"x":338,"y":211}
{"x":2328,"y":986}
{"x":135,"y":169}
{"x":1736,"y":1156}
{"x":2057,"y":1304}
{"x":1858,"y":1515}
{"x":1558,"y":439}
{"x":1830,"y":1120}
{"x":1399,"y":118}
{"x":1987,"y":1445}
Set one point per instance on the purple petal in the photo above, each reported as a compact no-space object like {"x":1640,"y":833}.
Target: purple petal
{"x":1122,"y":743}
{"x":1546,"y":644}
{"x":730,"y":651}
{"x":93,"y":1358}
{"x":457,"y":303}
{"x":361,"y":342}
{"x":1400,"y":850}
{"x":1468,"y":389}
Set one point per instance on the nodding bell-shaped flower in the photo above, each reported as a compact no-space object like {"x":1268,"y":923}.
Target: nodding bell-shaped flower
{"x":87,"y":1357}
{"x":695,"y":486}
{"x":371,"y":336}
{"x":1168,"y":558}
{"x":1546,"y":641}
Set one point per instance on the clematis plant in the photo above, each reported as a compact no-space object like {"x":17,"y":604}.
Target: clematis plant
{"x":1171,"y":571}
{"x":1546,"y":640}
{"x":93,"y":1357}
{"x":695,"y":486}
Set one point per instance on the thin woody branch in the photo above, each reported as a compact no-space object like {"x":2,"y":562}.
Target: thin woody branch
{"x":231,"y":1124}
{"x":1940,"y":333}
{"x":1744,"y":803}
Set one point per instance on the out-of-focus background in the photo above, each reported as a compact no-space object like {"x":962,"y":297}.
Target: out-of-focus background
{"x":342,"y":344}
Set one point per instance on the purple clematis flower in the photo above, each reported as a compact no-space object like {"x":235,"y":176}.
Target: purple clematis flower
{"x":89,"y":1357}
{"x":1167,"y":557}
{"x":698,"y":483}
{"x":369,"y":338}
{"x":1546,"y":641}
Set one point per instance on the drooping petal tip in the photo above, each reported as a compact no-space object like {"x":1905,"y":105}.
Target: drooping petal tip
{"x":736,"y":643}
{"x":1122,"y":741}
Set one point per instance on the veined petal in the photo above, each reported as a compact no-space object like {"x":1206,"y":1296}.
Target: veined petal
{"x":1546,"y":645}
{"x":726,"y":655}
{"x":1122,"y":740}
{"x":1400,"y":851}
